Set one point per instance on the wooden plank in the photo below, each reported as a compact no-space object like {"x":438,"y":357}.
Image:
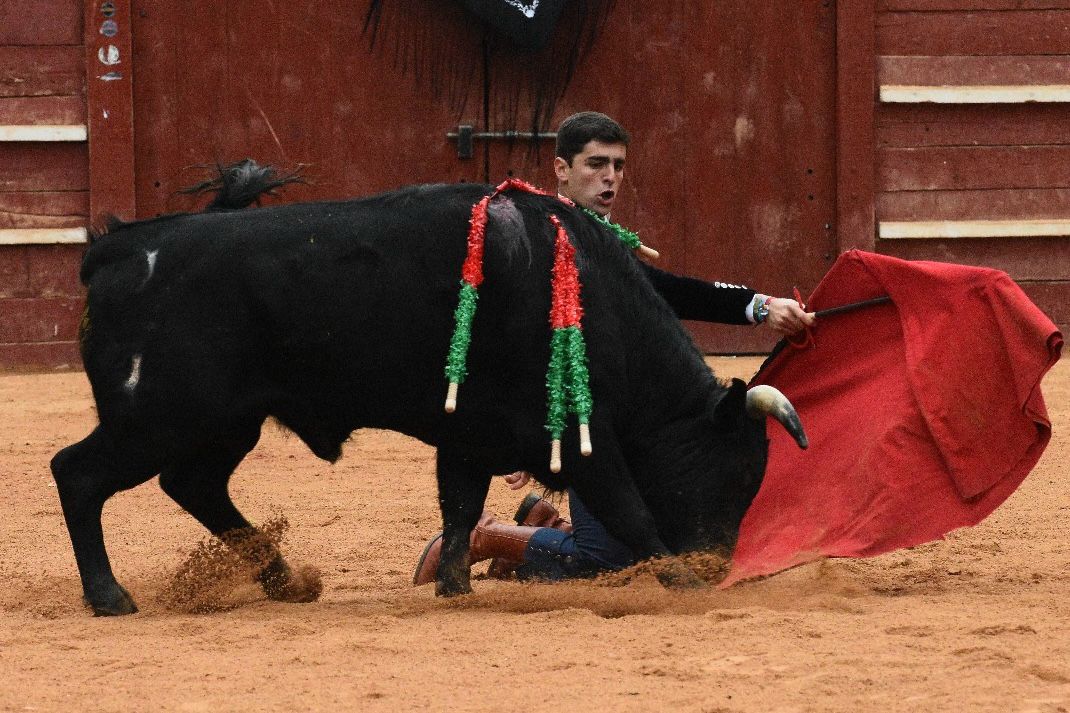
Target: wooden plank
{"x":996,"y":125}
{"x":109,"y":103}
{"x":1021,"y":258}
{"x":163,"y":94}
{"x":973,"y":167}
{"x":41,"y":71}
{"x":954,"y":5}
{"x":54,"y":270}
{"x":975,"y":71}
{"x":41,"y":22}
{"x":41,"y":271}
{"x":42,"y":236}
{"x":14,"y":272}
{"x":44,"y":209}
{"x":210,"y":116}
{"x":40,"y":319}
{"x":753,"y":86}
{"x":1010,"y":32}
{"x":44,"y":167}
{"x":1027,"y":204}
{"x":42,"y":110}
{"x":732,"y":339}
{"x":956,"y":229}
{"x":781,"y":201}
{"x":1053,"y":298}
{"x":35,"y":132}
{"x":912,"y":94}
{"x":42,"y":356}
{"x":855,"y":116}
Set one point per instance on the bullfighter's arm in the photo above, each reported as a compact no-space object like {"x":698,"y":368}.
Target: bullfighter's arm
{"x":692,"y":298}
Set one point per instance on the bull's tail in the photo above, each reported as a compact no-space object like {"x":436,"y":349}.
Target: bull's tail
{"x":236,"y":186}
{"x":241,"y":184}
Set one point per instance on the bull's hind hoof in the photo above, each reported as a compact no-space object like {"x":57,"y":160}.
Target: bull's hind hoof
{"x":283,"y":584}
{"x":115,"y":602}
{"x":304,"y":586}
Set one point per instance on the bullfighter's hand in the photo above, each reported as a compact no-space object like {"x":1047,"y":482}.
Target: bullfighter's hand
{"x":786,"y":317}
{"x":517,"y":480}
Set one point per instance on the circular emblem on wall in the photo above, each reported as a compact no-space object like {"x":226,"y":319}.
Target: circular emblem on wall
{"x":109,"y":28}
{"x":108,"y":54}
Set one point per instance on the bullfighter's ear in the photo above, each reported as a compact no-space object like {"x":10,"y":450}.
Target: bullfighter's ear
{"x":728,"y":408}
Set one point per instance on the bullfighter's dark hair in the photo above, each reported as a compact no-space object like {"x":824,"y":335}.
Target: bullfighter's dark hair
{"x":575,"y":131}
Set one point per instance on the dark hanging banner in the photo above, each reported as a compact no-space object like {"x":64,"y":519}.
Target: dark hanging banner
{"x":518,"y":56}
{"x":525,"y":24}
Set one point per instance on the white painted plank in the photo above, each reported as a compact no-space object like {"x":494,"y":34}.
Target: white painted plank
{"x":895,"y":230}
{"x":42,"y":236}
{"x":910,"y":94}
{"x":34,"y":132}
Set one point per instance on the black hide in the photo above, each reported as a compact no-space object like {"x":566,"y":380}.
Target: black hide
{"x":332,"y":317}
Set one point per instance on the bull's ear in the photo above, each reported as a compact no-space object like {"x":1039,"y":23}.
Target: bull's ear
{"x":729,"y":408}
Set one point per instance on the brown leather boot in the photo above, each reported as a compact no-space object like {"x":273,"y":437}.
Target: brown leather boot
{"x":490,"y":538}
{"x":534,"y":511}
{"x":537,"y":511}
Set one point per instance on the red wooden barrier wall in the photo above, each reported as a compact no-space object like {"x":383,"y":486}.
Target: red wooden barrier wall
{"x":761,"y":149}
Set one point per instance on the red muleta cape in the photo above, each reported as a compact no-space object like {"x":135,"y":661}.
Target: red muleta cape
{"x":924,"y":414}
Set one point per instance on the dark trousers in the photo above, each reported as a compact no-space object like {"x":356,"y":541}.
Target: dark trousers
{"x":588,"y":550}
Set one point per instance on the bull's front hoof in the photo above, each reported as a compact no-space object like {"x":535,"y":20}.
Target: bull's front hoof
{"x":676,"y":575}
{"x":113,"y":601}
{"x":446,"y":589}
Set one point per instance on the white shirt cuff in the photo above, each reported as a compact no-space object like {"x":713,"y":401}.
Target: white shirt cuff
{"x":750,"y":306}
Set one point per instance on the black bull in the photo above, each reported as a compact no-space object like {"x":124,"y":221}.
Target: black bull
{"x":331,"y":317}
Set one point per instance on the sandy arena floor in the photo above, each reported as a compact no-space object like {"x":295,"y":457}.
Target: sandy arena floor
{"x":978,"y":622}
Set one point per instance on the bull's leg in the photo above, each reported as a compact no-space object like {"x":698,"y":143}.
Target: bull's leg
{"x":606,"y":488}
{"x":87,"y":474}
{"x":462,"y":491}
{"x":199,"y":485}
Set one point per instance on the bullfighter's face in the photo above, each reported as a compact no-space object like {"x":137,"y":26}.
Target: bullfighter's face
{"x":594,"y":177}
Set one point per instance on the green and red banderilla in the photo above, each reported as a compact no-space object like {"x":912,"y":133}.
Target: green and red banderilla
{"x":567,"y":379}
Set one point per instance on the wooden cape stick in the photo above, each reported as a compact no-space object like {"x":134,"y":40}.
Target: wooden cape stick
{"x":851,"y":307}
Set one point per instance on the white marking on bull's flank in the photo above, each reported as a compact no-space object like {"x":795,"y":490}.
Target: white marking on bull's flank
{"x":150,"y":257}
{"x":135,"y":373}
{"x":528,"y":10}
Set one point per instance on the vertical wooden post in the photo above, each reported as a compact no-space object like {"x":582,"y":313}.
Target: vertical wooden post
{"x":109,"y":108}
{"x":856,"y":96}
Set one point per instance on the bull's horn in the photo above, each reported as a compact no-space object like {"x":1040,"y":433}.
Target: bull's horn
{"x":763,"y":400}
